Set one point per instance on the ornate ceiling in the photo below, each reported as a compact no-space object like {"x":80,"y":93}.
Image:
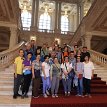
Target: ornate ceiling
{"x":9,"y":10}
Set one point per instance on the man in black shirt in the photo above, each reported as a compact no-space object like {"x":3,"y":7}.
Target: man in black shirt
{"x":84,"y":53}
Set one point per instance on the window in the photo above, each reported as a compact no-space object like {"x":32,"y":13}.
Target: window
{"x":44,"y":21}
{"x":26,"y":20}
{"x":64,"y":23}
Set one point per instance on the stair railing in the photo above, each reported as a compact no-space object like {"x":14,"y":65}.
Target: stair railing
{"x":7,"y":57}
{"x":98,"y":58}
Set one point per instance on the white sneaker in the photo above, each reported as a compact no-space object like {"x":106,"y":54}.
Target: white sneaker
{"x":45,"y":96}
{"x":47,"y":92}
{"x":53,"y":96}
{"x":56,"y":95}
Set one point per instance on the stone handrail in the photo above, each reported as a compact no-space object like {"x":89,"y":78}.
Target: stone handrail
{"x":81,"y":28}
{"x":98,"y":58}
{"x":7,"y":57}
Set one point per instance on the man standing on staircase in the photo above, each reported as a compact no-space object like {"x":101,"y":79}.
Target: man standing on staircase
{"x":18,"y":65}
{"x":88,"y":75}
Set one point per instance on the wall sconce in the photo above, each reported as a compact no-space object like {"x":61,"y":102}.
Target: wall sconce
{"x":57,"y":39}
{"x":33,"y":38}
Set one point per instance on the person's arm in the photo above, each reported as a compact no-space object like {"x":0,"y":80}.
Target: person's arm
{"x":43,"y":70}
{"x":33,"y":72}
{"x":51,"y":70}
{"x":15,"y":68}
{"x":92,"y":70}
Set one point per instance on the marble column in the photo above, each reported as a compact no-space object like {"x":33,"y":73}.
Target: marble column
{"x":87,"y":41}
{"x":36,"y":15}
{"x":59,"y":17}
{"x":81,"y":11}
{"x":33,"y":14}
{"x":13,"y":37}
{"x":56,"y":16}
{"x":78,"y":16}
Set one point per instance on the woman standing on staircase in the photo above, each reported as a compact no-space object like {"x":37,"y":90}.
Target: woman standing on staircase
{"x":36,"y":75}
{"x":46,"y":76}
{"x":55,"y":74}
{"x":88,"y":75}
{"x":66,"y":78}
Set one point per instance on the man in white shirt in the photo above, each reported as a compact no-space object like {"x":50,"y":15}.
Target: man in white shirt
{"x":88,"y":75}
{"x":66,"y":68}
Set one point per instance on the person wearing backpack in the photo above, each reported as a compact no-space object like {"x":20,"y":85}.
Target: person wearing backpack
{"x":66,"y":79}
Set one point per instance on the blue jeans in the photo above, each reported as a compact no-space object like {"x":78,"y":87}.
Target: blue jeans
{"x":66,"y":85}
{"x":80,"y":86}
{"x":46,"y":84}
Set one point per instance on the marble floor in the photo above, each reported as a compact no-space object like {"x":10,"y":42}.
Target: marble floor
{"x":8,"y":101}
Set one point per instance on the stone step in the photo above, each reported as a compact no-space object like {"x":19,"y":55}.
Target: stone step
{"x":6,"y":83}
{"x":6,"y":78}
{"x":100,"y":69}
{"x":6,"y":73}
{"x":10,"y":88}
{"x":14,"y":105}
{"x":11,"y":93}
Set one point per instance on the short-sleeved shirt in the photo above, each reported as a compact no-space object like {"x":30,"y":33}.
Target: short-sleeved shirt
{"x":88,"y":67}
{"x":37,"y":65}
{"x":65,"y":67}
{"x":19,"y":64}
{"x":79,"y":67}
{"x":46,"y":69}
{"x":27,"y":62}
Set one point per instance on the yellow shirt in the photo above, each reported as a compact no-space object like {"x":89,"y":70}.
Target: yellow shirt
{"x":19,"y":64}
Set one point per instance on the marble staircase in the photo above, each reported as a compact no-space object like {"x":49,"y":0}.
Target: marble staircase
{"x":6,"y":90}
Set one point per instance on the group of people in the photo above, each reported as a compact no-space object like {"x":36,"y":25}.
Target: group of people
{"x":69,"y":64}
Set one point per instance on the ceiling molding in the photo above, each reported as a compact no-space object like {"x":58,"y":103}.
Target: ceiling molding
{"x":7,"y":24}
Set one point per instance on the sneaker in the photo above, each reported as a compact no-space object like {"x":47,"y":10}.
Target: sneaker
{"x":53,"y":96}
{"x":35,"y":96}
{"x":14,"y":97}
{"x":89,"y":96}
{"x":47,"y":92}
{"x":68,"y":93}
{"x":45,"y":95}
{"x":86,"y":95}
{"x":65,"y":94}
{"x":77,"y":95}
{"x":56,"y":95}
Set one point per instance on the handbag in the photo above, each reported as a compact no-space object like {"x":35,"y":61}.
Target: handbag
{"x":80,"y":76}
{"x":26,"y":71}
{"x":71,"y":74}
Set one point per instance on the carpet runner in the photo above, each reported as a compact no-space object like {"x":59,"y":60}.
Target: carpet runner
{"x":99,"y":97}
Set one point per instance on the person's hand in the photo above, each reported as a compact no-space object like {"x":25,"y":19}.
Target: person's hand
{"x":33,"y":76}
{"x":45,"y":77}
{"x":65,"y":73}
{"x":15,"y":75}
{"x":51,"y":78}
